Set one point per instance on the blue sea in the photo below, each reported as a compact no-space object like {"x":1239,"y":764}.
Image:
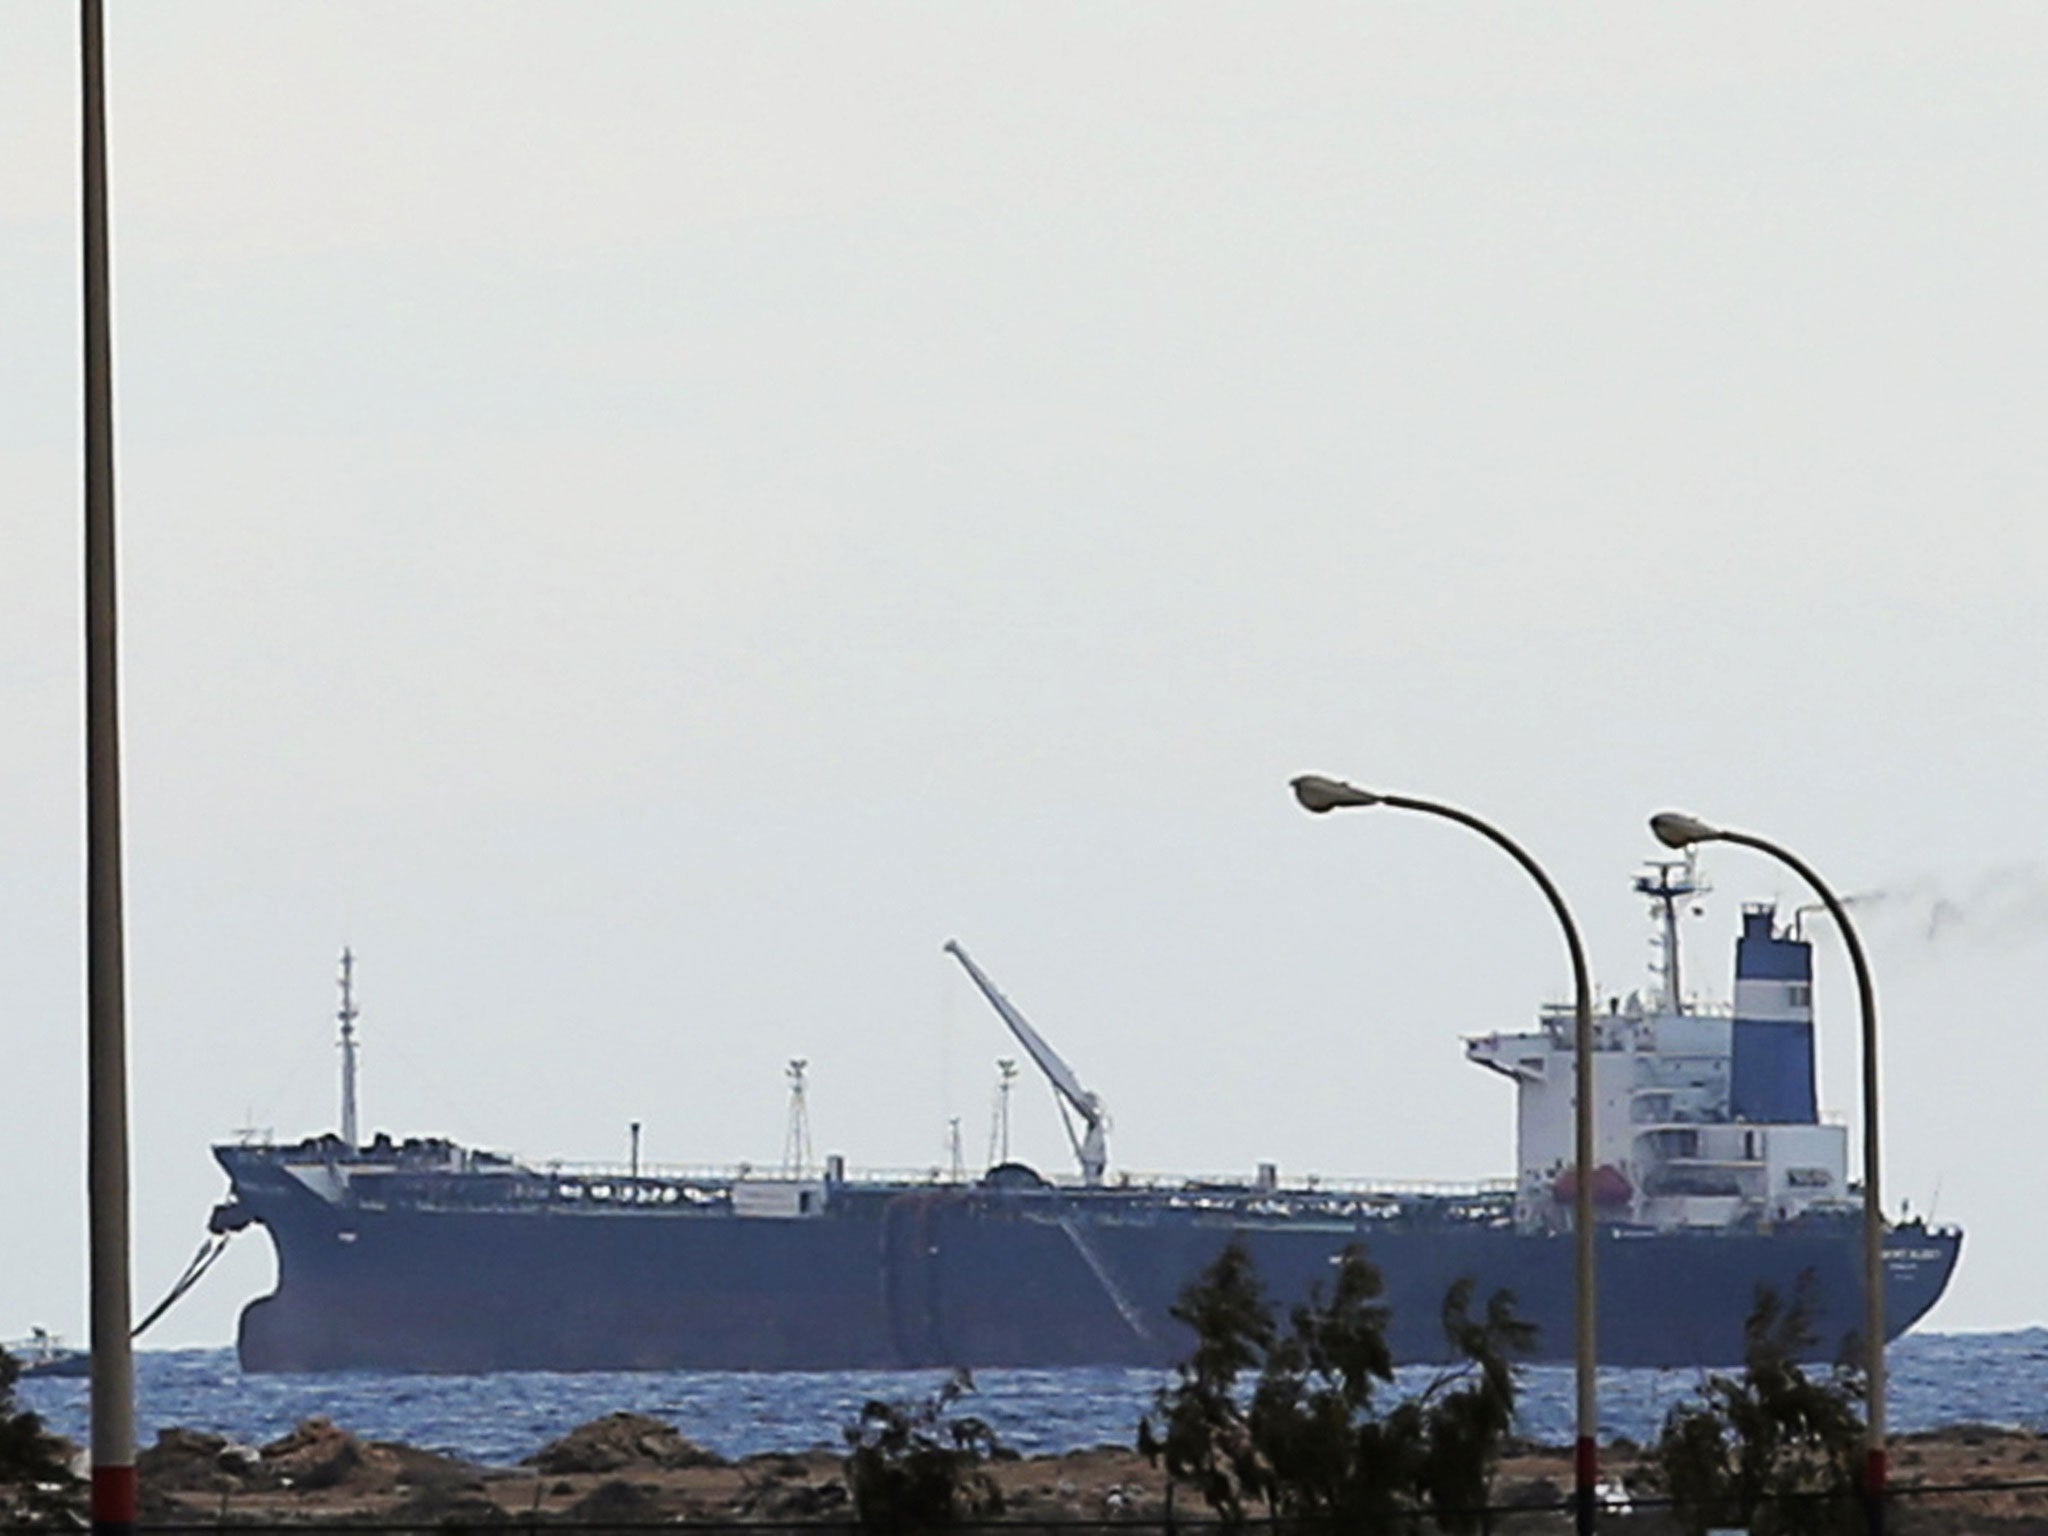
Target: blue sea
{"x":1936,"y":1379}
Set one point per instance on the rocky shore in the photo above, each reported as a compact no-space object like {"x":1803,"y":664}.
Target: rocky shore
{"x":627,"y":1469}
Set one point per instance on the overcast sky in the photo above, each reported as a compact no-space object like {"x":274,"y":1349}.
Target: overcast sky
{"x":646,"y":519}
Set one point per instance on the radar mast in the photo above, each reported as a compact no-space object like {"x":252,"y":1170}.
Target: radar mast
{"x":1669,"y":882}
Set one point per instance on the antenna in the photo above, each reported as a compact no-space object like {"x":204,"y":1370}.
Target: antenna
{"x":999,"y":1131}
{"x":1669,"y":882}
{"x":796,"y":1141}
{"x":347,"y":1015}
{"x":953,"y":1147}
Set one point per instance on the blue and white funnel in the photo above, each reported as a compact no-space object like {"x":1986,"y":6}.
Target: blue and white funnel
{"x":1771,"y":1077}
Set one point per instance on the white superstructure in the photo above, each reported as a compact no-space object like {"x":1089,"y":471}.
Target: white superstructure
{"x":1703,"y":1114}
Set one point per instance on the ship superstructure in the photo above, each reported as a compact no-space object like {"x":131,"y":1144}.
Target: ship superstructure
{"x":1715,"y":1176}
{"x":1706,"y":1115}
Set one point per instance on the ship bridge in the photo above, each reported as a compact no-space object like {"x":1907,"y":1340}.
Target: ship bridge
{"x":1703,"y":1112}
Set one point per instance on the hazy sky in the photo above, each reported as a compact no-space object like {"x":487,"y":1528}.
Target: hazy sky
{"x":646,"y":519}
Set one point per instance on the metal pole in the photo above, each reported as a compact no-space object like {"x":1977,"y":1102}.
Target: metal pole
{"x":1874,"y":1458}
{"x":350,"y":1133}
{"x":1585,"y":1317}
{"x":1318,"y":794}
{"x":113,"y":1358}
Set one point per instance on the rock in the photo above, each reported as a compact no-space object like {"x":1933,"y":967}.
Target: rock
{"x":799,"y":1501}
{"x":617,"y":1502}
{"x":619,"y":1441}
{"x":780,"y":1487}
{"x":446,"y":1506}
{"x":193,"y":1461}
{"x":154,"y":1506}
{"x":412,"y":1467}
{"x":318,"y":1454}
{"x":764,"y":1470}
{"x":185,"y":1461}
{"x":241,"y":1461}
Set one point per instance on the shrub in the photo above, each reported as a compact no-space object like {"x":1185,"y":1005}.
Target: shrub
{"x":910,"y":1468}
{"x":1311,"y":1439}
{"x":35,"y":1476}
{"x":1773,"y":1450}
{"x":1208,"y":1440}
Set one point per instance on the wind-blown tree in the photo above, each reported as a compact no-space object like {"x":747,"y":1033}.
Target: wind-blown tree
{"x":1773,"y":1450}
{"x":1469,"y":1409}
{"x":1311,"y":1438}
{"x":1208,"y":1440}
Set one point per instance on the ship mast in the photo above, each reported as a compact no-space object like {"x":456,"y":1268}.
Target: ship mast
{"x":999,"y":1126}
{"x":347,"y":1015}
{"x":796,"y":1139}
{"x":1669,"y":882}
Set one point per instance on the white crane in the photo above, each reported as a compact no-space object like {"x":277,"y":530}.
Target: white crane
{"x":1091,"y":1147}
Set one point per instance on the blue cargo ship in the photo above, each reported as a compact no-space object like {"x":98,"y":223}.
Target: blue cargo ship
{"x":1716,"y":1175}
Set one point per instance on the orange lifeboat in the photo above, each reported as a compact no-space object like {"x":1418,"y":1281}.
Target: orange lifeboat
{"x":1610,"y":1186}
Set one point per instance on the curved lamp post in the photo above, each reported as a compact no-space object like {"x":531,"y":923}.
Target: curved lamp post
{"x":1676,"y":830}
{"x":1319,"y":794}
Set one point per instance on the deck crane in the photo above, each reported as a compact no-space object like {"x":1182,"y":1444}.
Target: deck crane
{"x":1092,"y":1145}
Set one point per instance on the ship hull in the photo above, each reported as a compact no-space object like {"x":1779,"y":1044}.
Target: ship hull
{"x":950,"y":1277}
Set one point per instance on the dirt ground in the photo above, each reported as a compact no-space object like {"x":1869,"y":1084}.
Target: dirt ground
{"x":629,"y":1470}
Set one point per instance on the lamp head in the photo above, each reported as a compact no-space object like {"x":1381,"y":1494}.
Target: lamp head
{"x":1319,"y":794}
{"x":1675,"y":829}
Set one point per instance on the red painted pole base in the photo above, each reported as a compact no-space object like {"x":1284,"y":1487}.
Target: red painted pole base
{"x":1585,"y":1474}
{"x":1874,"y":1473}
{"x":113,"y":1501}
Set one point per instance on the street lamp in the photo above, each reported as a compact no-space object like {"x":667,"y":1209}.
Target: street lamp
{"x":1676,"y":830}
{"x":1319,"y":794}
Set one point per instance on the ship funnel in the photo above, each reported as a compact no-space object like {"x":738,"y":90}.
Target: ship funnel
{"x":1772,"y":1077}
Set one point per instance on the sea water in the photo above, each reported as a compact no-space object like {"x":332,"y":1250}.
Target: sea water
{"x":1936,"y":1380}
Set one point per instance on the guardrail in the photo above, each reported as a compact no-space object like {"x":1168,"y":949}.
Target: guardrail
{"x":1160,"y":1183}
